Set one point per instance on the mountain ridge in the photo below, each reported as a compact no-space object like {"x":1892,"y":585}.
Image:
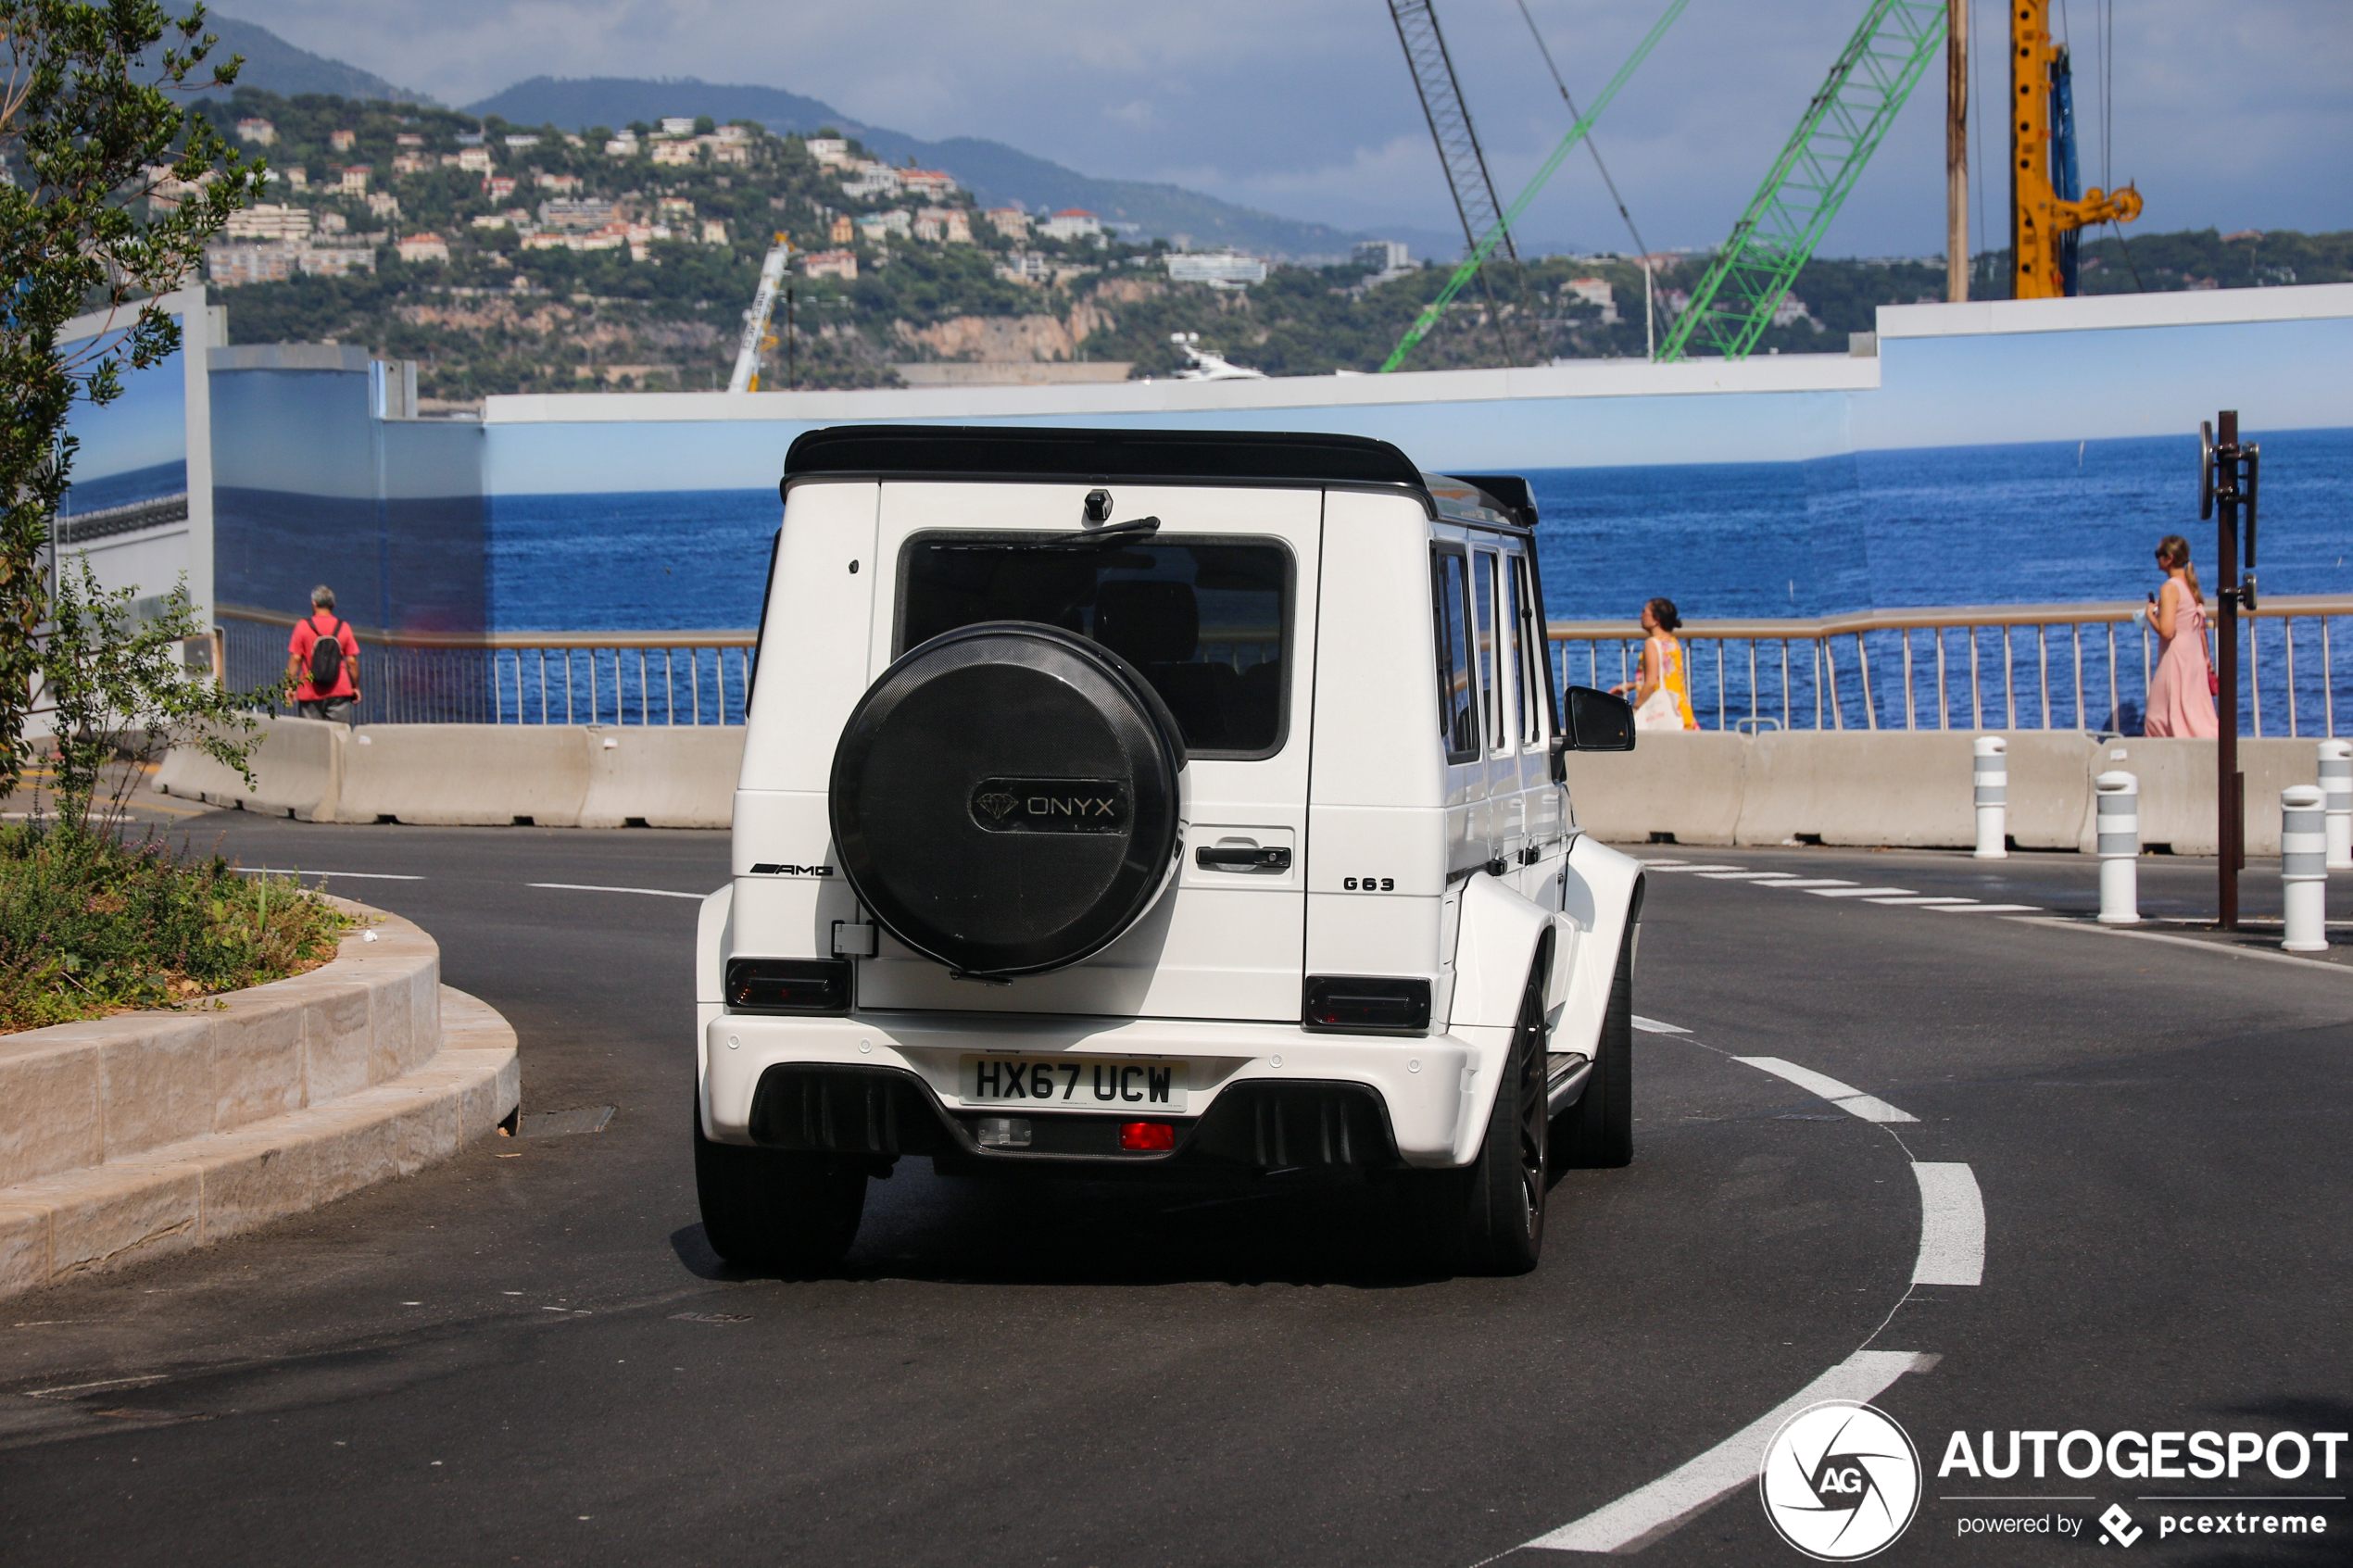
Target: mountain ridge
{"x":994,"y":171}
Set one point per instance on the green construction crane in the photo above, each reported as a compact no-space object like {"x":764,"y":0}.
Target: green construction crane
{"x":1501,"y":230}
{"x":1785,"y":219}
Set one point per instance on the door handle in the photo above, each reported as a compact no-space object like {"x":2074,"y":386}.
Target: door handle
{"x":1241,"y":857}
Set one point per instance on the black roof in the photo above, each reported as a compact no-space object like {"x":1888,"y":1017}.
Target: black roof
{"x":1160,"y":457}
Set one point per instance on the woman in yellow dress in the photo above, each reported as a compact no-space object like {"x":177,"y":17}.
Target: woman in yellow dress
{"x":1663,"y":697}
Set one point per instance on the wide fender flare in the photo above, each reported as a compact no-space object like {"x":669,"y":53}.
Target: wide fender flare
{"x":1501,"y":939}
{"x":714,"y":940}
{"x":1601,"y":899}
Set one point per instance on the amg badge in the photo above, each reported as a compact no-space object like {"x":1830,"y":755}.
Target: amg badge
{"x":1051,"y":804}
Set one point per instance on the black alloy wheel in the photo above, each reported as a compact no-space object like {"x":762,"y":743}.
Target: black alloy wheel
{"x":1489,"y":1218}
{"x":765,"y":1208}
{"x":1599,"y":1129}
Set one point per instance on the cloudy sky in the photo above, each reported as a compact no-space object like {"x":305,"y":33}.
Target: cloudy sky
{"x":2236,"y":116}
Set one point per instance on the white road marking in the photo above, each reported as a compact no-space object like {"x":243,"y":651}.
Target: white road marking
{"x":1847,"y":1098}
{"x":1653,"y":1026}
{"x":1952,"y":1224}
{"x":1746,"y":876}
{"x":1852,"y":892}
{"x":1921,"y":901}
{"x":1681,"y":866}
{"x":1666,"y":865}
{"x":1984,"y":908}
{"x":590,"y":887}
{"x":289,"y":870}
{"x":1811,"y":882}
{"x":1644,"y":1515}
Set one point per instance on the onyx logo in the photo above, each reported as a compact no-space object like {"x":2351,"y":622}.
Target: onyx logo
{"x":1841,"y":1481}
{"x":1050,"y":806}
{"x":773,"y":867}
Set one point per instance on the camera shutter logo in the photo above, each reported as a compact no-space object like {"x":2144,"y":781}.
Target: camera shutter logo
{"x":1841,"y":1481}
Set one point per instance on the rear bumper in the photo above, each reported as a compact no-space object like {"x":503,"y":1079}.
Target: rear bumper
{"x":1261,"y":1095}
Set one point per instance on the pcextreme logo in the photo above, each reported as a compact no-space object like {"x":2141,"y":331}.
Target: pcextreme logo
{"x":1839,"y":1481}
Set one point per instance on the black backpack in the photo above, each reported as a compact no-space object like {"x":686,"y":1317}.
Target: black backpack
{"x":326,"y":660}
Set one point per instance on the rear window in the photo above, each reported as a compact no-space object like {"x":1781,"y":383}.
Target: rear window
{"x":1207,"y":621}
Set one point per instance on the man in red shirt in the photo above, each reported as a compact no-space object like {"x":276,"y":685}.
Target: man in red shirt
{"x":307,"y":661}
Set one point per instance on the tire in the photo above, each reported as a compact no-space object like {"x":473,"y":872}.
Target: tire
{"x":762,"y":1208}
{"x":1489,"y":1219}
{"x":1006,"y":798}
{"x":1599,"y":1129}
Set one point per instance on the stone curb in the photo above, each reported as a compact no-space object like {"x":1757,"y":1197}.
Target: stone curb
{"x":129,"y":1137}
{"x":191,"y":1194}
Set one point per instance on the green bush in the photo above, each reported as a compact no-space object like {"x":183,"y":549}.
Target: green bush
{"x":90,"y":925}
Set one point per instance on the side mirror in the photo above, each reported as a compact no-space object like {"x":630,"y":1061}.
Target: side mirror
{"x":1598,"y":722}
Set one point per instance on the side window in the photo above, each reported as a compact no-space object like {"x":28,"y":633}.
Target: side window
{"x":1457,"y":696}
{"x":1491,"y":673}
{"x":1511,"y":694}
{"x":1535,"y":654}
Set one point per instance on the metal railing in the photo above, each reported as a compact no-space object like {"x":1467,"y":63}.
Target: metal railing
{"x":2066,"y":666}
{"x":517,"y":677}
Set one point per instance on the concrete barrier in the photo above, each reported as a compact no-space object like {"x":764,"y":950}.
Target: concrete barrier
{"x":1690,"y":783}
{"x":132,"y":1138}
{"x":662,"y":776}
{"x":297,"y":772}
{"x":1914,"y":788}
{"x":465,"y":774}
{"x":553,"y":775}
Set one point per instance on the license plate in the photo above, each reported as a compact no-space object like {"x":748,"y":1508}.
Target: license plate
{"x":1074,"y":1084}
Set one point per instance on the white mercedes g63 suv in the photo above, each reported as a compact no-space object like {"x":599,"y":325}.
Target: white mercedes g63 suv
{"x":1158,"y":801}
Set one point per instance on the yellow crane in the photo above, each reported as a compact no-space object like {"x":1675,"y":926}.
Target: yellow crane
{"x":2042,"y":214}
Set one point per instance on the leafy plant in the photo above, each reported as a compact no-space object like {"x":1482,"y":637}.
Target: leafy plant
{"x":112,"y":191}
{"x":90,"y":925}
{"x":117,"y":688}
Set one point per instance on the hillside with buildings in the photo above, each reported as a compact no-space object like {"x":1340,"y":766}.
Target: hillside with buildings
{"x":503,"y":258}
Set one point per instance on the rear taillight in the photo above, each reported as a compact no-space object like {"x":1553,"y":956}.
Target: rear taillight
{"x":1149,"y":1135}
{"x":1350,"y":1005}
{"x":789,"y":984}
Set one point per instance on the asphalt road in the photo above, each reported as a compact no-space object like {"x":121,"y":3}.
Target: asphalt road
{"x":528,"y":1354}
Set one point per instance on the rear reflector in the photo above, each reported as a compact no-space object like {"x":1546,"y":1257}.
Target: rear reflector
{"x":789,"y":986}
{"x":1350,"y":1005}
{"x":1147,"y":1135}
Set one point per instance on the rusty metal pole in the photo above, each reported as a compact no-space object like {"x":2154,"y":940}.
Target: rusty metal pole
{"x":1956,"y":266}
{"x":2229,"y":787}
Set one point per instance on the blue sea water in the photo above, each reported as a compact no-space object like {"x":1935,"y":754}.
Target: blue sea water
{"x":1977,"y":525}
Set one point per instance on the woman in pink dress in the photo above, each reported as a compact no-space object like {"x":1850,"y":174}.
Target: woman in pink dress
{"x":2181,"y":691}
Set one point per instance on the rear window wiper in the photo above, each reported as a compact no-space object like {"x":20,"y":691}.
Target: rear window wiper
{"x":1127,"y":533}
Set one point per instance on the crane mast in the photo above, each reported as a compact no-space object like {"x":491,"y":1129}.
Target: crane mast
{"x":1450,"y":121}
{"x":2044,"y":218}
{"x":763,"y":303}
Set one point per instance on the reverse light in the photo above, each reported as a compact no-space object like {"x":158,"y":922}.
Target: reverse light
{"x":1355,"y":1005}
{"x":802,"y":985}
{"x":1147,"y":1136}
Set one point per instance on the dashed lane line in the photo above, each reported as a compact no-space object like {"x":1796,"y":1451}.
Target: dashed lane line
{"x":590,"y":887}
{"x":1952,"y":1224}
{"x":1653,"y":1026}
{"x":1648,"y":1512}
{"x":1952,"y":1252}
{"x":1841,"y":887}
{"x":358,"y":876}
{"x":1853,"y":1101}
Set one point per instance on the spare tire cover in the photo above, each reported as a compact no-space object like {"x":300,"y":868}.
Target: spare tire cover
{"x":1005,"y":799}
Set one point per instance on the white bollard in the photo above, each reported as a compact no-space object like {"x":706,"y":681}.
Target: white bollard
{"x":2118,"y":799}
{"x":1992,"y":770}
{"x":2336,"y":791}
{"x":2304,"y":875}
